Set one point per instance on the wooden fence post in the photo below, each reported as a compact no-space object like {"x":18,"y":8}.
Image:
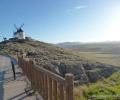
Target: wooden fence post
{"x":32,"y":76}
{"x":69,"y":86}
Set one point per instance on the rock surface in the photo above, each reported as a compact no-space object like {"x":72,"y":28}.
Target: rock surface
{"x":106,"y":72}
{"x":93,"y":76}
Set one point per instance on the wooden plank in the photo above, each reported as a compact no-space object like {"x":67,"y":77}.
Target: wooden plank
{"x":29,"y":73}
{"x":69,"y":86}
{"x":50,"y":89}
{"x":61,"y":92}
{"x":46,"y":80}
{"x":55,"y":91}
{"x":34,"y":79}
{"x":28,"y":70}
{"x":37,"y":79}
{"x":24,"y":64}
{"x":44,"y":86}
{"x":40,"y":81}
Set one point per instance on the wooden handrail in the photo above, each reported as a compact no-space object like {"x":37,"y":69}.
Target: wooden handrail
{"x":50,"y":85}
{"x":50,"y":74}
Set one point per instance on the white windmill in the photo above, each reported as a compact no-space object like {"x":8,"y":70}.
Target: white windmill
{"x":20,"y":34}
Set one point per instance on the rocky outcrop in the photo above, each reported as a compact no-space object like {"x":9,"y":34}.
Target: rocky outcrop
{"x":93,"y":76}
{"x":106,"y":72}
{"x":81,"y":79}
{"x":63,"y":68}
{"x":89,"y":66}
{"x":81,"y":75}
{"x":102,"y":72}
{"x":74,"y":69}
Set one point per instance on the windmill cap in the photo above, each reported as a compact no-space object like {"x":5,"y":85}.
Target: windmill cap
{"x":20,"y":30}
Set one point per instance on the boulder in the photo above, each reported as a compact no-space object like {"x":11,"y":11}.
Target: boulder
{"x":93,"y":76}
{"x":106,"y":72}
{"x":89,"y":66}
{"x":83,"y":78}
{"x":74,"y":69}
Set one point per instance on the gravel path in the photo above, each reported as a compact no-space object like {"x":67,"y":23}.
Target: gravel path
{"x":11,"y":89}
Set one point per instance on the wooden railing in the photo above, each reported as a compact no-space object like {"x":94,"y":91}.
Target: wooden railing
{"x":50,"y":85}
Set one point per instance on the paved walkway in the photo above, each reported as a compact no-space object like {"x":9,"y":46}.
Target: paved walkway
{"x":11,"y":89}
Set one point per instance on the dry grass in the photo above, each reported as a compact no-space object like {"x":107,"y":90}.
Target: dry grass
{"x":77,"y":92}
{"x":101,"y":84}
{"x":84,"y":88}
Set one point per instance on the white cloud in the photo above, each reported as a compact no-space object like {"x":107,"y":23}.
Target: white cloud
{"x":79,"y":7}
{"x":68,"y":10}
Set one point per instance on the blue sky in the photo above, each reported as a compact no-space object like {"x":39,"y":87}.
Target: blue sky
{"x":56,"y":21}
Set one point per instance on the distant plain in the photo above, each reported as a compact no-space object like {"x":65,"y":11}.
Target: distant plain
{"x":105,"y":52}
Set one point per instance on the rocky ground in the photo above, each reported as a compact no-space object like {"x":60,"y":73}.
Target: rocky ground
{"x":60,"y":60}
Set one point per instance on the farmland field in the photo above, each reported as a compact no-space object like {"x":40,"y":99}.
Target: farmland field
{"x":113,"y":59}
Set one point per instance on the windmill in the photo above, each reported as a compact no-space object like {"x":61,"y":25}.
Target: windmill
{"x":19,"y":33}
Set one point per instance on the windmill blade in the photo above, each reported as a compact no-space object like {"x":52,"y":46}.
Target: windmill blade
{"x":21,"y":26}
{"x":15,"y":26}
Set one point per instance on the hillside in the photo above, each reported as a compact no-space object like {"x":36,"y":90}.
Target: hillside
{"x":60,"y":60}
